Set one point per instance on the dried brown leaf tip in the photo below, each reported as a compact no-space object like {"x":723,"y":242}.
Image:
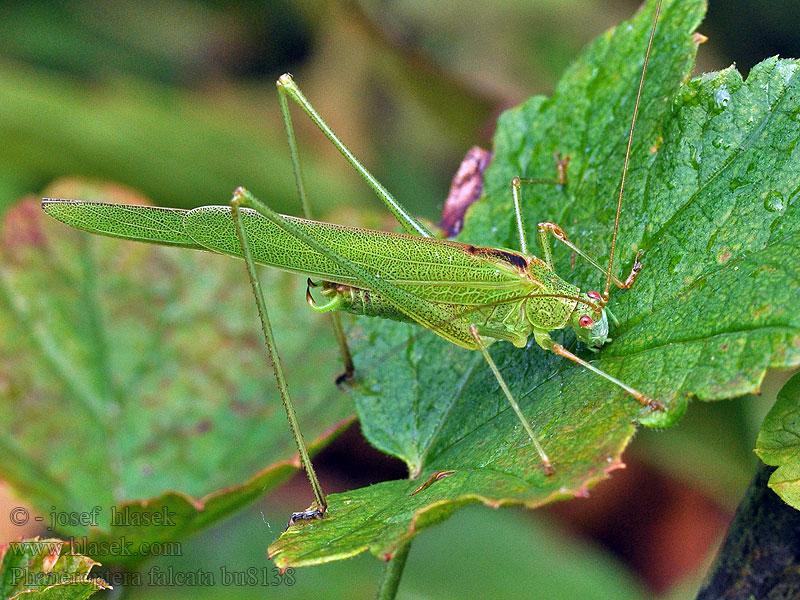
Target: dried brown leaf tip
{"x":466,"y":188}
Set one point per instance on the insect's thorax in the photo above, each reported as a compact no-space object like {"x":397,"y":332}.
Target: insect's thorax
{"x":548,"y":312}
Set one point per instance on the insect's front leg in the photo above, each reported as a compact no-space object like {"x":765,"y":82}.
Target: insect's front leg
{"x":548,"y":466}
{"x":545,"y":341}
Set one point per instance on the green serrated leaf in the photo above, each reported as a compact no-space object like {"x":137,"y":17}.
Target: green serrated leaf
{"x":712,"y":197}
{"x":46,"y":569}
{"x":122,"y":388}
{"x":777,"y":443}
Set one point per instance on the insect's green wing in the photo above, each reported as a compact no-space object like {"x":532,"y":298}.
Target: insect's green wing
{"x":424,"y":278}
{"x":439,"y":271}
{"x":440,"y":284}
{"x":436,"y":270}
{"x":291,"y":235}
{"x":140,"y":223}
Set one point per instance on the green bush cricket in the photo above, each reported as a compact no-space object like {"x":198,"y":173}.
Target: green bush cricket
{"x":470,"y":295}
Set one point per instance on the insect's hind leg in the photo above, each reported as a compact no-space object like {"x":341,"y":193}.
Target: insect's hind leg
{"x":336,"y":321}
{"x":288,"y":88}
{"x":548,"y":466}
{"x":320,"y":506}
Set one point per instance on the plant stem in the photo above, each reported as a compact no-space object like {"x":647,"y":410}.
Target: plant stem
{"x":393,"y":572}
{"x":760,"y":557}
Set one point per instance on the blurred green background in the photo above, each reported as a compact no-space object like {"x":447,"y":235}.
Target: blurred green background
{"x":176,"y":99}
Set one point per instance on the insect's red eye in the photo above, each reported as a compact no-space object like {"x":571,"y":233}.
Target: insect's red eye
{"x":593,"y":295}
{"x":586,"y":321}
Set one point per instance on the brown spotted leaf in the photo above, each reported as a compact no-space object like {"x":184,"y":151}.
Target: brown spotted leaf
{"x":133,"y":379}
{"x":46,"y":569}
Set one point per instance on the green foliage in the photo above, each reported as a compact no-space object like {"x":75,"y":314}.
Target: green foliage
{"x":123,"y":389}
{"x":777,"y":443}
{"x":712,"y":199}
{"x":166,"y":143}
{"x":46,"y":569}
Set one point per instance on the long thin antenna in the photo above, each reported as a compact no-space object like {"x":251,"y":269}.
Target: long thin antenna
{"x":628,"y":156}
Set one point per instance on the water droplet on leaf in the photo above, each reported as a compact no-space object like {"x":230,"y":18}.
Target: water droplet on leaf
{"x":774,"y":202}
{"x":721,"y":97}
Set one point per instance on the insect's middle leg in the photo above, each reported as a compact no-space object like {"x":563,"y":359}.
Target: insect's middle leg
{"x":546,"y":227}
{"x":548,"y":466}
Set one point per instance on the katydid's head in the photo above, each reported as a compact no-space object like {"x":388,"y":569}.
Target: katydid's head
{"x":590,"y":322}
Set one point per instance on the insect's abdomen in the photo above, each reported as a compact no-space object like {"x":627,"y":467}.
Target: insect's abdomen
{"x":456,"y":319}
{"x":363,"y":302}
